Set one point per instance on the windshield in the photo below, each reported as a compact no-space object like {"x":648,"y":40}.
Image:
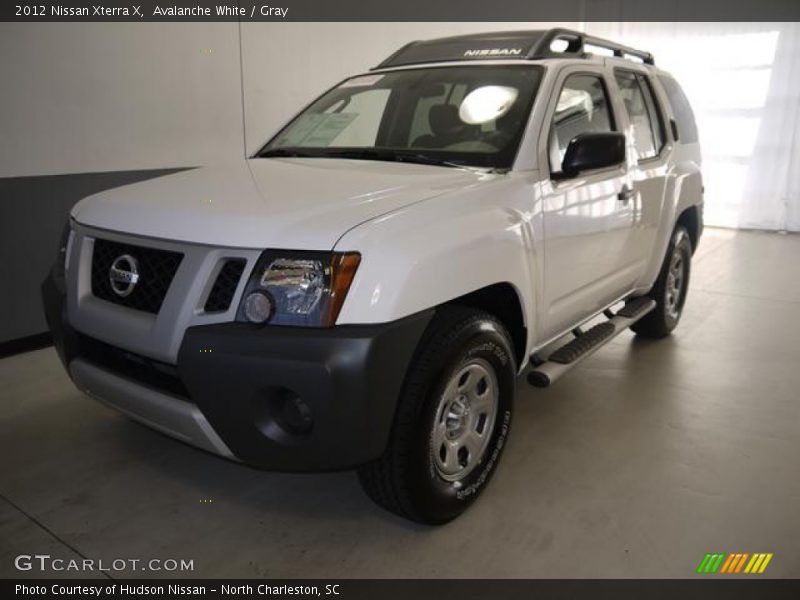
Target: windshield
{"x":452,"y":116}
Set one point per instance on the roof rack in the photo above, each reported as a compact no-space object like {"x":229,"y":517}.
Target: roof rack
{"x":577,"y":42}
{"x":524,"y":45}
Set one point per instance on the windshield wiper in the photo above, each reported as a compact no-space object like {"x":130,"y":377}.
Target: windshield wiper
{"x":424,"y":159}
{"x":372,"y":154}
{"x":286,"y":152}
{"x":398,"y":156}
{"x":360,"y":154}
{"x":431,"y":160}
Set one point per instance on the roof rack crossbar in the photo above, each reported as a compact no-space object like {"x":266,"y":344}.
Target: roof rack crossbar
{"x":577,"y":42}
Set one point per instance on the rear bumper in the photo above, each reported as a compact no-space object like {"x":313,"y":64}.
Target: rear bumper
{"x":227,"y":391}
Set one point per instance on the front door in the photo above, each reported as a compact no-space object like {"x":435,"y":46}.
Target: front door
{"x":588,"y":219}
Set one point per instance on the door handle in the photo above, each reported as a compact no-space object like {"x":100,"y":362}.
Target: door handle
{"x":626,"y":193}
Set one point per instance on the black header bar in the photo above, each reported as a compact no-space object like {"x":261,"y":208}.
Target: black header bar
{"x":405,"y":10}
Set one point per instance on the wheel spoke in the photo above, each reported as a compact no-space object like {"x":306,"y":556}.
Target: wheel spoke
{"x":440,"y":433}
{"x":464,"y":380}
{"x":481,"y":404}
{"x":473,"y":443}
{"x":450,"y":464}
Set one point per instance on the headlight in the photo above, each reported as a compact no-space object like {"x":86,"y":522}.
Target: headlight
{"x":305,"y":289}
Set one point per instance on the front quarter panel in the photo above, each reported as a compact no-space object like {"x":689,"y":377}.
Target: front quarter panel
{"x":427,"y":254}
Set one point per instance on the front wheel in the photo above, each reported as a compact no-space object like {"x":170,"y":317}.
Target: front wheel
{"x":452,"y":420}
{"x":670,"y":288}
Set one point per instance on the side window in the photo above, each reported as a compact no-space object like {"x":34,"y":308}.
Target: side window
{"x":656,"y":113}
{"x":582,"y":108}
{"x":642,"y":113}
{"x":684,"y":117}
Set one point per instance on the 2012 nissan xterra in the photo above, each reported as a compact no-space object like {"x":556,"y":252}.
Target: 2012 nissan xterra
{"x":365,"y":290}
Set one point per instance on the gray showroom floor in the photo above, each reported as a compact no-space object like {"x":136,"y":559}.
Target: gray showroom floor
{"x":635,"y":465}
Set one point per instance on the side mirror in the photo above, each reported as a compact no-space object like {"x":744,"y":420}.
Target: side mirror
{"x":593,"y":151}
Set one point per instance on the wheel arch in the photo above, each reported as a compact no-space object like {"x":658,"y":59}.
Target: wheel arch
{"x":691,"y":220}
{"x":502,"y":300}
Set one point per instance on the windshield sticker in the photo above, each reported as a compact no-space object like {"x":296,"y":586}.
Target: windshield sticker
{"x":329,"y":129}
{"x":300,"y":129}
{"x":316,"y":129}
{"x":362,"y":81}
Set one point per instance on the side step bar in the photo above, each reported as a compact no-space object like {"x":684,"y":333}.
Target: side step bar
{"x":586,"y":343}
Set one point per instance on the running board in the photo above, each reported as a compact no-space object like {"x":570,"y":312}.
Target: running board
{"x":586,"y":343}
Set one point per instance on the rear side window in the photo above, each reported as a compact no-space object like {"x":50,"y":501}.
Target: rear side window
{"x":684,"y":117}
{"x":642,"y":113}
{"x":582,"y":108}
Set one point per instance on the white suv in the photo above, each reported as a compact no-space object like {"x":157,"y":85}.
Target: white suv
{"x":365,"y":290}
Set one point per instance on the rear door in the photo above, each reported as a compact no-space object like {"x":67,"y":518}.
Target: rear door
{"x":648,"y":144}
{"x":587,"y":223}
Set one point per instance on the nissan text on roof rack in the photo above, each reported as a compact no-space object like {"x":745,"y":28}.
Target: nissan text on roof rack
{"x":366,"y":289}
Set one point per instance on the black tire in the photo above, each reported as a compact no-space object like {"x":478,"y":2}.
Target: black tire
{"x":665,"y":316}
{"x":406,"y":480}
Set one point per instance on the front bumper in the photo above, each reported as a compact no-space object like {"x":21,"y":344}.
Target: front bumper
{"x":226,"y":391}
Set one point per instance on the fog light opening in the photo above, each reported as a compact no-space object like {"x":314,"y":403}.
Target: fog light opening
{"x":296,"y":415}
{"x":282,"y":415}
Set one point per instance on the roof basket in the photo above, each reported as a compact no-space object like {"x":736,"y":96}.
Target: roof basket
{"x":524,"y":45}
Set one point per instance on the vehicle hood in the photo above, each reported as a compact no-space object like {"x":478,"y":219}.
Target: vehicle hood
{"x":292,"y":203}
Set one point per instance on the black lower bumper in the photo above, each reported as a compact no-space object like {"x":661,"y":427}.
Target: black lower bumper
{"x":242,"y":378}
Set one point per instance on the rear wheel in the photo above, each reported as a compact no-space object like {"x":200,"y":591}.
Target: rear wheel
{"x":670,"y":288}
{"x":452,"y":419}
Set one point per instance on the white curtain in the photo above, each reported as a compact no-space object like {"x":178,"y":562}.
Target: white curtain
{"x":743,"y":80}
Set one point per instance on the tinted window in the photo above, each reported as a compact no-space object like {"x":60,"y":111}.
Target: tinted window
{"x":642,"y":113}
{"x":655,"y":111}
{"x":582,"y":108}
{"x":684,"y":117}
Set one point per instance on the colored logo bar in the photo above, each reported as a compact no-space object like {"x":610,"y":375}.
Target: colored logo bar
{"x":738,"y":562}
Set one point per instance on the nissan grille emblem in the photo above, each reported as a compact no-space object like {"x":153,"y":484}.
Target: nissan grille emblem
{"x":123,"y":275}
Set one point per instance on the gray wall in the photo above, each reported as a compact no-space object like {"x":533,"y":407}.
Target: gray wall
{"x":86,"y":107}
{"x":83,"y":97}
{"x":34,"y":210}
